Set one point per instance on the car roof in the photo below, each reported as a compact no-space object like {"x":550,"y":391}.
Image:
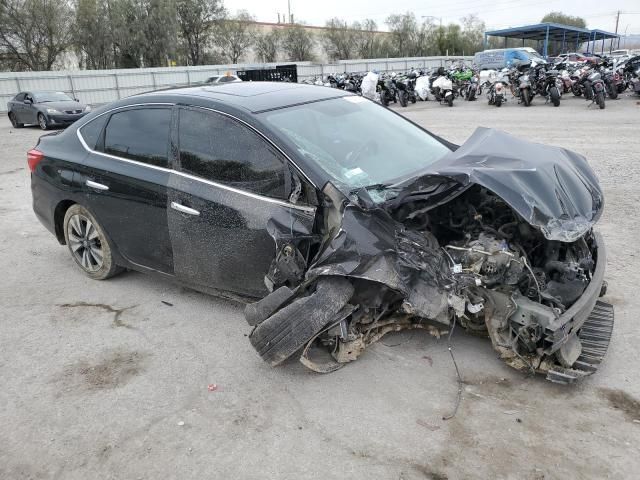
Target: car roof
{"x":255,"y":97}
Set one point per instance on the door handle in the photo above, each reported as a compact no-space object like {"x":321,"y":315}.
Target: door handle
{"x":183,"y":209}
{"x":96,"y":185}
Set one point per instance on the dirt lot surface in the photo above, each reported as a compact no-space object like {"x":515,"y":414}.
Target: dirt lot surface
{"x":108,"y":380}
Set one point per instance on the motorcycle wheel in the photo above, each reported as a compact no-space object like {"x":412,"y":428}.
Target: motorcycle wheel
{"x":526,"y":97}
{"x":383,"y":99}
{"x":576,"y":91}
{"x":472,"y":95}
{"x":555,"y":96}
{"x":588,"y":90}
{"x":413,"y":99}
{"x":613,"y":92}
{"x":498,"y":101}
{"x":450,"y":101}
{"x":600,"y":100}
{"x":402,"y":96}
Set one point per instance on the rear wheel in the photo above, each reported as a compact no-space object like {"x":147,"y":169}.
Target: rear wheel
{"x":498,"y":101}
{"x":88,"y":244}
{"x":472,"y":94}
{"x":290,"y":328}
{"x":576,"y":90}
{"x":383,"y":99}
{"x":600,"y":100}
{"x":554,"y":93}
{"x":42,"y":122}
{"x":14,"y":121}
{"x":526,"y":97}
{"x":450,"y":100}
{"x":588,"y":91}
{"x":612,"y":91}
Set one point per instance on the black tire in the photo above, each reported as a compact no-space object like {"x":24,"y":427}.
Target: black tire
{"x":413,"y":98}
{"x":554,"y":93}
{"x":613,"y":92}
{"x":42,"y":122}
{"x":14,"y":121}
{"x":576,"y":91}
{"x":290,"y":328}
{"x":97,"y":270}
{"x":600,"y":100}
{"x":402,"y":97}
{"x":588,"y":90}
{"x":450,"y":101}
{"x":383,"y":99}
{"x":472,"y":95}
{"x":526,"y":97}
{"x":498,"y":101}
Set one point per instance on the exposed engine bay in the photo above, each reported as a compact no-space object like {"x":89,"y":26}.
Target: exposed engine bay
{"x":440,"y":253}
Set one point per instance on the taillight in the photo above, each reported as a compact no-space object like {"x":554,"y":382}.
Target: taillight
{"x":33,"y":158}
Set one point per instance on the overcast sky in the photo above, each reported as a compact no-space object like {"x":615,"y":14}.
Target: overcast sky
{"x":495,"y":13}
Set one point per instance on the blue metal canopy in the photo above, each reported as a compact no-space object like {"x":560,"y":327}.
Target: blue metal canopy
{"x":570,"y":36}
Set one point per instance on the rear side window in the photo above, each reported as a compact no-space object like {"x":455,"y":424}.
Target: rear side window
{"x":218,"y":148}
{"x":141,"y":134}
{"x":92,"y":130}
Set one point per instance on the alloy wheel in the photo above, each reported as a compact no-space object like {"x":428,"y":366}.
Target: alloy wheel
{"x":42,"y":122}
{"x":85,"y":243}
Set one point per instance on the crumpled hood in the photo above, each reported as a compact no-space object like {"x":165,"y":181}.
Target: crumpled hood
{"x":552,"y":188}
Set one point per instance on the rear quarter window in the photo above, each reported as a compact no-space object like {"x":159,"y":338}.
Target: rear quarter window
{"x":91,"y":131}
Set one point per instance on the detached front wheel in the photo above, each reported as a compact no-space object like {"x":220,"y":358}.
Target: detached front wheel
{"x":290,"y":328}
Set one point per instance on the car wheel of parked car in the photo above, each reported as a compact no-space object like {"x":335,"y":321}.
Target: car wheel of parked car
{"x":289,"y":329}
{"x":42,"y":121}
{"x":88,"y":244}
{"x":14,"y":121}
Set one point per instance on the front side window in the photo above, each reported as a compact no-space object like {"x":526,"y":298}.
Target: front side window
{"x":140,"y":134}
{"x":19,"y":97}
{"x":217,"y":148}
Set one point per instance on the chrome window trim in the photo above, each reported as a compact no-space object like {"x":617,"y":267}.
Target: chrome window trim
{"x":194,"y":177}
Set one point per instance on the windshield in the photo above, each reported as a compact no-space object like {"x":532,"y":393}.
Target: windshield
{"x":42,"y":97}
{"x":356,"y":142}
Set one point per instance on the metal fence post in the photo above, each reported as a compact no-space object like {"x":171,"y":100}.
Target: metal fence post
{"x":115,"y":76}
{"x":188,"y":77}
{"x":321,"y":72}
{"x":153,"y":77}
{"x":73,"y":91}
{"x":18,"y":85}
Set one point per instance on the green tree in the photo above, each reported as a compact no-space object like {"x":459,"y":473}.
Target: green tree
{"x":34,"y":33}
{"x":297,"y":43}
{"x":564,"y":19}
{"x":472,"y":34}
{"x":196,"y":21}
{"x":92,"y":35}
{"x":267,"y":45}
{"x":404,"y":34}
{"x":235,"y":35}
{"x":127,"y":20}
{"x":160,"y":31}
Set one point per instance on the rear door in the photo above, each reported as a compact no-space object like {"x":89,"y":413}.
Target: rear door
{"x":232,"y":187}
{"x":124,"y":180}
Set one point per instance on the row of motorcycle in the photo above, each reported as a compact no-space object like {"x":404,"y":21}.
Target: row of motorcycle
{"x":549,"y":81}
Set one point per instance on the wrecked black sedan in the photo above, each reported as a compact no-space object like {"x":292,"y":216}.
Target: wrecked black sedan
{"x":337,"y":220}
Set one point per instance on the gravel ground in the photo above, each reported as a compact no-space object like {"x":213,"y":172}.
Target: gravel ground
{"x":106,"y":380}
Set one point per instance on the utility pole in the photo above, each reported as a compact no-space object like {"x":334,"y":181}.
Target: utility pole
{"x":289,"y":11}
{"x":617,"y":21}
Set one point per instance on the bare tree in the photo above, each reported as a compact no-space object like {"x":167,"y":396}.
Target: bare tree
{"x":338,"y":40}
{"x":235,"y":35}
{"x":267,"y":45}
{"x":34,"y":33}
{"x":196,"y":21}
{"x":126,"y":17}
{"x":367,"y":41}
{"x":297,"y":43}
